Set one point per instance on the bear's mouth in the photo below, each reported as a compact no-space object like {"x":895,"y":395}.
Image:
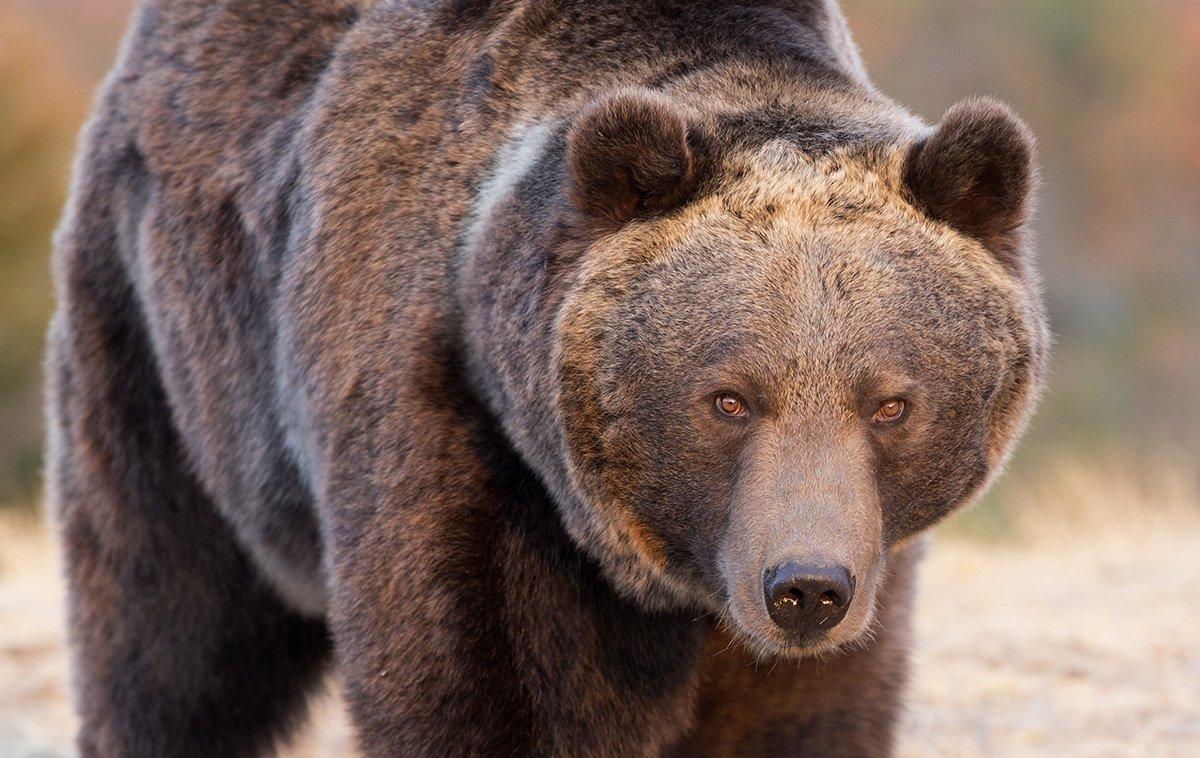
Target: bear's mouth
{"x":813,"y":645}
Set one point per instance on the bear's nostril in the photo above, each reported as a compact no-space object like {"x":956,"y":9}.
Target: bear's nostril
{"x":804,"y":600}
{"x":793,"y":597}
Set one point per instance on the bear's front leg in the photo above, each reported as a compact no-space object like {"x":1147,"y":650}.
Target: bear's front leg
{"x":839,"y":705}
{"x":467,"y":623}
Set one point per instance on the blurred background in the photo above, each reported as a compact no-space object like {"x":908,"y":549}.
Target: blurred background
{"x":1105,"y":485}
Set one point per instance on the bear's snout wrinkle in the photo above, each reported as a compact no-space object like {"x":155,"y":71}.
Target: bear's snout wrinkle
{"x":806,"y":601}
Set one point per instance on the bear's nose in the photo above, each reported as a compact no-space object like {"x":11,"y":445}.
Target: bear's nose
{"x":804,"y":600}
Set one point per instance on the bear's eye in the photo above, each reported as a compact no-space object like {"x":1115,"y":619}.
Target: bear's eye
{"x":889,"y":411}
{"x":730,"y":404}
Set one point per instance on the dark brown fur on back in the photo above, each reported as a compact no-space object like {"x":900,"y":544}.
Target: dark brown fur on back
{"x":373,"y":322}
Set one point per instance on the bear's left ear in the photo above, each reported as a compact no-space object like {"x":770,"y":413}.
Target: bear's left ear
{"x":975,"y":172}
{"x":630,"y":154}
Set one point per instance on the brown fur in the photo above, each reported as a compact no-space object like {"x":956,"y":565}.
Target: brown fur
{"x":628,"y":155}
{"x":397,"y":326}
{"x":975,"y":172}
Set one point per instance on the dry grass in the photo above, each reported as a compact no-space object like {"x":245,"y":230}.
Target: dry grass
{"x":1079,"y":637}
{"x":34,"y":714}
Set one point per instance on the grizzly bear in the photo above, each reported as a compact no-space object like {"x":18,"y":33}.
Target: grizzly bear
{"x":578,"y":376}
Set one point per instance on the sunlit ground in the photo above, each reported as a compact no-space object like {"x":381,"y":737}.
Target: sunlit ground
{"x":1078,"y":634}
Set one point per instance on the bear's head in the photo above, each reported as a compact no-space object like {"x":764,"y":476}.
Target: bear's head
{"x":772,"y":365}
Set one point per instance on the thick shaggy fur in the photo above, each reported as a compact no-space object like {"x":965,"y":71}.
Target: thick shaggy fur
{"x":391,"y":329}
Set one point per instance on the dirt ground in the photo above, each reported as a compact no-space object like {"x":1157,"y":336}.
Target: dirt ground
{"x":1080,"y":647}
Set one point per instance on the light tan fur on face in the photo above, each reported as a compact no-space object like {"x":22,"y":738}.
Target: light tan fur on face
{"x":788,"y":225}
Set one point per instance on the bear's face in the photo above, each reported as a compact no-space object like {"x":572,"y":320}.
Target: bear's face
{"x":766,"y":390}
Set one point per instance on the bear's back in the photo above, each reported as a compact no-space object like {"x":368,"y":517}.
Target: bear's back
{"x":183,"y":196}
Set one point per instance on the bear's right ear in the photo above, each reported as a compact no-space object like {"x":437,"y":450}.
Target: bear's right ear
{"x":629,"y":155}
{"x":975,"y":172}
